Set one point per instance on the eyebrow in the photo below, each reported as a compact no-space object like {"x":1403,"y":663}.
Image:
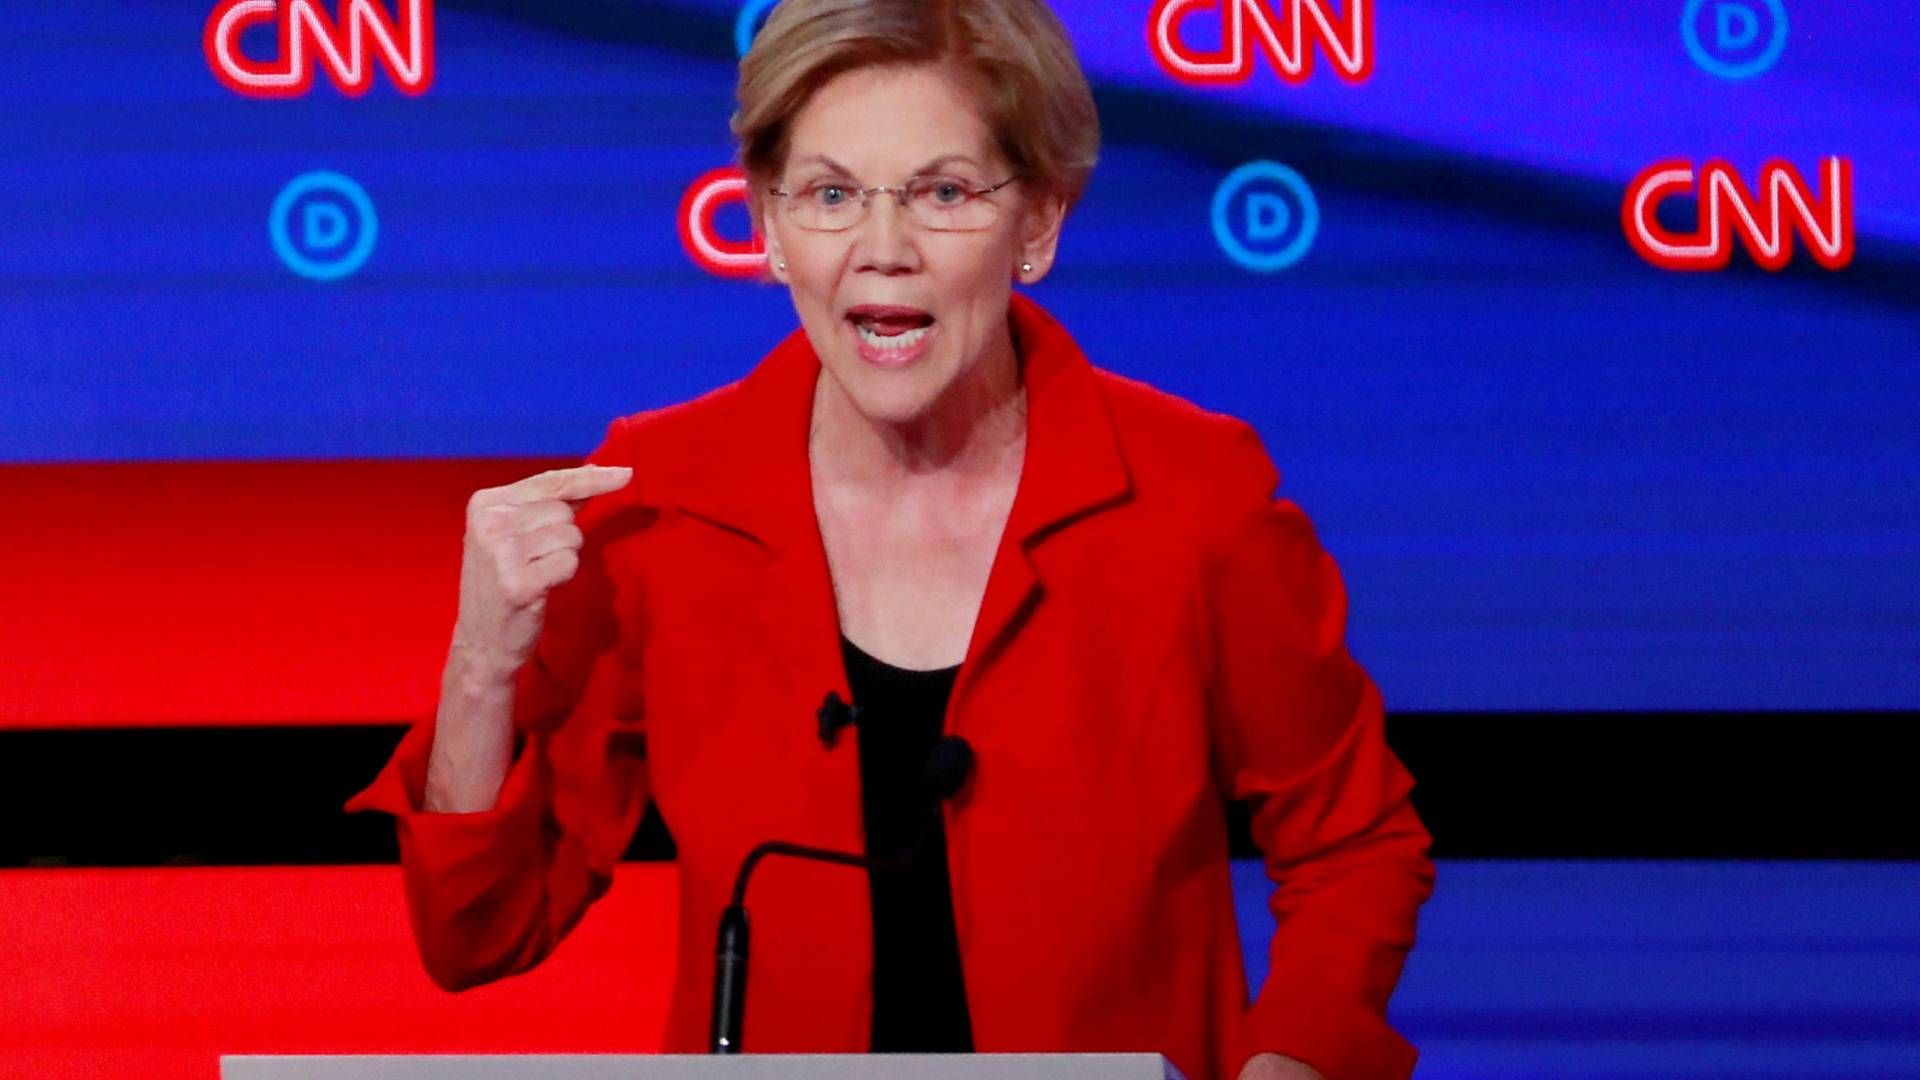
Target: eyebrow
{"x":934,"y":164}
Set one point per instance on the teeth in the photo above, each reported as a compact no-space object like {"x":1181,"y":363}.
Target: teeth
{"x":898,"y":341}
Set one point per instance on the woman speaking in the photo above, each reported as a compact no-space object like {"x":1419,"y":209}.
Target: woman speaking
{"x":924,"y":517}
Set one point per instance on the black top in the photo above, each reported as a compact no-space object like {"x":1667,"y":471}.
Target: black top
{"x":919,"y":998}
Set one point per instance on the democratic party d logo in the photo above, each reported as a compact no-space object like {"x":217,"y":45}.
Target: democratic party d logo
{"x":1265,"y":216}
{"x":747,"y":22}
{"x":308,"y":36}
{"x":1734,"y":39}
{"x":323,"y":226}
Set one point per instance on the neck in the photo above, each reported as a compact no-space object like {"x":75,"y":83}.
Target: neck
{"x":968,"y":430}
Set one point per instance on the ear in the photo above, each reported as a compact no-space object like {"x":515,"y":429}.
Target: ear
{"x":776,"y":254}
{"x":1040,"y":237}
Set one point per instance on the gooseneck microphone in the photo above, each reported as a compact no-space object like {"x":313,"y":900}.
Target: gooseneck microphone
{"x":948,"y":766}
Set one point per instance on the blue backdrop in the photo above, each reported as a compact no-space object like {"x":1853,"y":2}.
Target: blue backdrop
{"x":1556,"y":476}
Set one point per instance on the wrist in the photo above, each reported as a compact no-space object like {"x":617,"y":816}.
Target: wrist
{"x":1272,"y":1066}
{"x":476,"y":671}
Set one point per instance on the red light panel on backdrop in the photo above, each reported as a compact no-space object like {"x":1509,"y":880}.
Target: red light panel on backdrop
{"x":155,"y":973}
{"x":243,"y":592}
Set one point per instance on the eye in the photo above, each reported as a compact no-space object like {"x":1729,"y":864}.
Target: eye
{"x":945,"y":190}
{"x":828,"y":194}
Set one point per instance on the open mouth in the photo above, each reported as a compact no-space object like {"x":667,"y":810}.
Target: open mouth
{"x":893,"y":337}
{"x":891,"y":329}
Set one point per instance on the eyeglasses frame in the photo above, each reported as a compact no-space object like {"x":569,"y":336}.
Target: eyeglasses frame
{"x":899,"y":192}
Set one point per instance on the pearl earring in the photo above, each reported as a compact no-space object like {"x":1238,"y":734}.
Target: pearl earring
{"x":783,"y":264}
{"x":1026,"y":268}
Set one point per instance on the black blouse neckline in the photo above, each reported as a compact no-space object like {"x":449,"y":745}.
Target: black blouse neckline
{"x":903,"y":673}
{"x":919,"y":990}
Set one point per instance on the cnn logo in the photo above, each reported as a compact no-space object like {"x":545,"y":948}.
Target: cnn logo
{"x":1247,"y":25}
{"x":347,"y":48}
{"x":1765,"y":223}
{"x":700,"y":236}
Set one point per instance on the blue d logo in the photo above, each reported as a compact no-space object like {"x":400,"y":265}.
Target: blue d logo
{"x":1734,"y":39}
{"x":1265,"y":216}
{"x":747,"y":23}
{"x":323,"y":226}
{"x":326,"y":226}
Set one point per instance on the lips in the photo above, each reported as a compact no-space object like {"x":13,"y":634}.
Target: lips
{"x":891,"y":336}
{"x":889,"y":320}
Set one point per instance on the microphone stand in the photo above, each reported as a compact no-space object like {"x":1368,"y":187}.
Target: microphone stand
{"x":947,"y":769}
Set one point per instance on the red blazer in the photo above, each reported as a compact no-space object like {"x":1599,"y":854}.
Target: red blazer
{"x":1158,"y":635}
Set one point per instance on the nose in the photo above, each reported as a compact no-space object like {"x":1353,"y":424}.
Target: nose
{"x":885,"y":240}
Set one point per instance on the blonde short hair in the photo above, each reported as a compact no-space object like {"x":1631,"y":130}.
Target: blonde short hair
{"x":1015,"y":52}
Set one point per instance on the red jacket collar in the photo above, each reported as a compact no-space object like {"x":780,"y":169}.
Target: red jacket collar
{"x":749,"y":470}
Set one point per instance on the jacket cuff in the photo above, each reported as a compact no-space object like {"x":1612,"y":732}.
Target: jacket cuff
{"x":439,"y":846}
{"x":1342,"y":1039}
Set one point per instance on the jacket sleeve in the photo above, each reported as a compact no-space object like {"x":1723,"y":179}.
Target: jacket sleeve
{"x":491,"y":893}
{"x":1299,"y":734}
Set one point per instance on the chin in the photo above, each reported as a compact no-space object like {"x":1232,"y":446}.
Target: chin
{"x":900,"y":403}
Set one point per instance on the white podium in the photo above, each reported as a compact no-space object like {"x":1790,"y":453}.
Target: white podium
{"x":699,"y":1067}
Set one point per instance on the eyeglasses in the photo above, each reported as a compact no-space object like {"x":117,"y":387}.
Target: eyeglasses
{"x":940,"y":203}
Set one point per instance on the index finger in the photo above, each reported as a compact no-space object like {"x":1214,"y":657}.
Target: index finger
{"x":580,"y":482}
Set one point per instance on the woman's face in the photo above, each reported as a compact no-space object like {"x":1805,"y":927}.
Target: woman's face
{"x":883,"y":125}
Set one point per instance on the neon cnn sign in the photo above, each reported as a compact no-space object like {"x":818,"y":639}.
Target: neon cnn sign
{"x":714,"y":253}
{"x":348,"y":49}
{"x":1247,"y":24}
{"x":1765,"y":223}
